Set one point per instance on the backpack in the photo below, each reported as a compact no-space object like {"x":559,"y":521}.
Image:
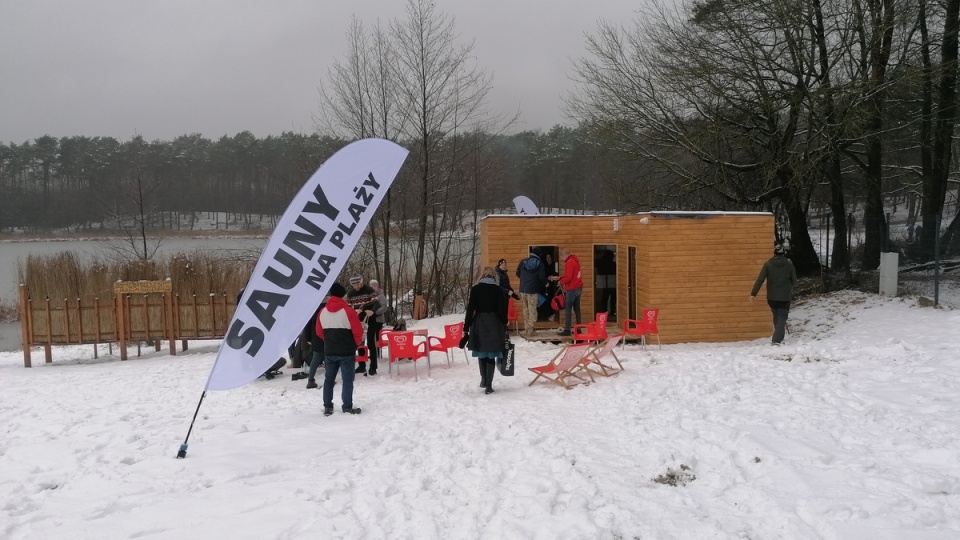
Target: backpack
{"x":531,"y":264}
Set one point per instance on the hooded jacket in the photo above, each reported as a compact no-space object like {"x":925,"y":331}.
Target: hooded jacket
{"x":339,"y":328}
{"x":572,"y":276}
{"x":533,"y":275}
{"x":780,"y":275}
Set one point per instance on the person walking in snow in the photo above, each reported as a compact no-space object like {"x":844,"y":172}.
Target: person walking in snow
{"x":341,"y":331}
{"x":780,"y":276}
{"x":485,"y":325}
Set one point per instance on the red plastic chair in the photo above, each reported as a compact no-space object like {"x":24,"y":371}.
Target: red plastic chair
{"x":512,"y":316}
{"x":382,"y":341}
{"x":650,"y":325}
{"x":402,"y":346}
{"x":450,"y":341}
{"x":595,"y":331}
{"x":633,"y":327}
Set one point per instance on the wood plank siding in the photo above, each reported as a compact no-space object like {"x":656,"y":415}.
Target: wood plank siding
{"x":698,"y":268}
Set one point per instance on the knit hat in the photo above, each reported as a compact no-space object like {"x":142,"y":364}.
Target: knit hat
{"x":779,"y":249}
{"x":338,"y":290}
{"x":356,"y":279}
{"x":501,"y":261}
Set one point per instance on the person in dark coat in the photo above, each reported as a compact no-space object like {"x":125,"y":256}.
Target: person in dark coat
{"x":485,"y":325}
{"x":533,"y":277}
{"x":780,"y":276}
{"x":504,"y":279}
{"x":363,"y":299}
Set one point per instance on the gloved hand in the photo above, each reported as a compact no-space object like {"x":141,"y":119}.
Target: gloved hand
{"x":464,"y":340}
{"x":515,"y":295}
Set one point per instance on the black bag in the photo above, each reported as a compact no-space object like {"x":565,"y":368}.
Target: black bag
{"x":505,"y":364}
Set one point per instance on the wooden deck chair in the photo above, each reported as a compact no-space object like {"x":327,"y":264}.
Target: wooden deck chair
{"x":566,"y":364}
{"x":594,"y":359}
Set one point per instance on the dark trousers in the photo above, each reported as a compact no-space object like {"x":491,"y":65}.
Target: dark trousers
{"x":344,"y":365}
{"x":373,"y":334}
{"x":572,"y":304}
{"x":315,"y":361}
{"x":780,"y":309}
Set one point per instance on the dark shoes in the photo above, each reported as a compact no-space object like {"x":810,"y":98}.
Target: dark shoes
{"x":269,"y":375}
{"x":563,"y":333}
{"x":488,"y":390}
{"x":327,"y":411}
{"x":361,"y":369}
{"x":372,"y":372}
{"x":355,"y":410}
{"x":311,"y":383}
{"x":299,"y":375}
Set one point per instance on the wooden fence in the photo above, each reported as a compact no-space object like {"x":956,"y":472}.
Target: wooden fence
{"x":139,"y":311}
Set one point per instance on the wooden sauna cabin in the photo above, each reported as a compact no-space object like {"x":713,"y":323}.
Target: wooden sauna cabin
{"x":696,"y":267}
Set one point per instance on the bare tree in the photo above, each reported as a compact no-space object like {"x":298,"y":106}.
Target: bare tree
{"x":444,"y":92}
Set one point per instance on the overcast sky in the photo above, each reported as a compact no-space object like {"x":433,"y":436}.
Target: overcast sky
{"x":163,"y":68}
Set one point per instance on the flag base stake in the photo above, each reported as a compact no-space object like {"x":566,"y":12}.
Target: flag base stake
{"x":182,"y":452}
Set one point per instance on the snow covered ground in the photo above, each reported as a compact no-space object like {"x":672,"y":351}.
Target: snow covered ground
{"x":851,"y":430}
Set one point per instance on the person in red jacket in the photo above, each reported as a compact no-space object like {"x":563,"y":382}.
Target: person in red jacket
{"x":341,"y":331}
{"x":572,"y":283}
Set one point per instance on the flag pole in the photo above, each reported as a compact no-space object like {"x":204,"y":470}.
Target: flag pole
{"x":182,"y":453}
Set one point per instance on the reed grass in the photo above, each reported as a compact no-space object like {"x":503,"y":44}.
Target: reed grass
{"x":63,"y":275}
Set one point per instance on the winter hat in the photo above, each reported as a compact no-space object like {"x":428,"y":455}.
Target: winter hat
{"x":536,"y":251}
{"x":373,"y":283}
{"x":501,"y":261}
{"x":779,"y":249}
{"x":356,"y":279}
{"x":338,"y":290}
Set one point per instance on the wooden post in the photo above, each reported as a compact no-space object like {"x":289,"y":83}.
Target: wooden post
{"x":121,"y":326}
{"x":168,"y":319}
{"x":96,"y":312}
{"x":66,"y":318}
{"x":46,"y":348}
{"x":196,"y":316}
{"x":80,"y":319}
{"x":25,"y":335}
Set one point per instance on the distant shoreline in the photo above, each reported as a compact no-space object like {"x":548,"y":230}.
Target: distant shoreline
{"x":88,"y":235}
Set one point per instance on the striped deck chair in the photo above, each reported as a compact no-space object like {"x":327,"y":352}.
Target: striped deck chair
{"x":567,"y":364}
{"x":594,"y":359}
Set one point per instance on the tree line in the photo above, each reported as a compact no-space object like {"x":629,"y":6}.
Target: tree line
{"x":780,"y":104}
{"x":814,"y":110}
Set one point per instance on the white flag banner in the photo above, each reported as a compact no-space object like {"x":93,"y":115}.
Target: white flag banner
{"x":525,"y":206}
{"x":303,"y":258}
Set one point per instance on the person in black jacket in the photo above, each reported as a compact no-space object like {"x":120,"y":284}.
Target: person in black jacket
{"x":504,"y":280}
{"x":485,"y":325}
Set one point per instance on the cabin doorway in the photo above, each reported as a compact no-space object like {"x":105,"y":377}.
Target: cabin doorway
{"x":605,"y":280}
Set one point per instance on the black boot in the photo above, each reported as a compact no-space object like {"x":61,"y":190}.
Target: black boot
{"x":483,"y":372}
{"x":489,"y":369}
